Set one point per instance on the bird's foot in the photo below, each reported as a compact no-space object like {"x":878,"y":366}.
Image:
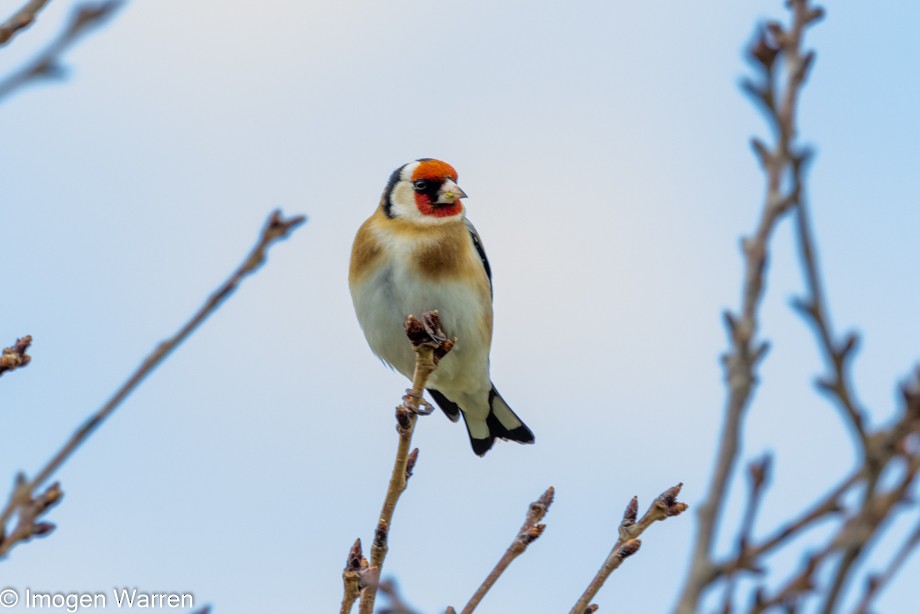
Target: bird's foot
{"x":416,"y":404}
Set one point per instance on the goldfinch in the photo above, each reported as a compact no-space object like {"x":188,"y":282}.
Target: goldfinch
{"x":417,"y":253}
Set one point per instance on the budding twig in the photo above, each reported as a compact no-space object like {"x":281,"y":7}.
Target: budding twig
{"x":85,"y":18}
{"x":664,"y":506}
{"x":15,"y":357}
{"x":351,"y":576}
{"x":530,"y":531}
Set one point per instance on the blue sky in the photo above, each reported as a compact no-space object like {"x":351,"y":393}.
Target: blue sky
{"x":604,"y":146}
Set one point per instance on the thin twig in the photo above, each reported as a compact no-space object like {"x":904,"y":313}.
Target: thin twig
{"x":664,"y":506}
{"x":276,"y":229}
{"x":351,"y":577}
{"x":20,"y":20}
{"x":742,"y":358}
{"x":837,"y":385}
{"x":396,"y":605}
{"x":85,"y":18}
{"x":758,"y":476}
{"x":15,"y":357}
{"x":837,"y":353}
{"x":430,"y":345}
{"x":800,"y":584}
{"x":859,"y":529}
{"x":827,"y":505}
{"x":530,"y":531}
{"x":876,"y":583}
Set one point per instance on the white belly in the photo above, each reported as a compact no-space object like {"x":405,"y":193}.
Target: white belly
{"x":382,"y":303}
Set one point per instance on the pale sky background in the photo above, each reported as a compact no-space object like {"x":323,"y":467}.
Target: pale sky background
{"x":604,"y":146}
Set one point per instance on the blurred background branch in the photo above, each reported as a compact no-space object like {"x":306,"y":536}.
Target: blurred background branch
{"x":23,"y":500}
{"x":47,"y":64}
{"x":826,"y":569}
{"x":20,"y":20}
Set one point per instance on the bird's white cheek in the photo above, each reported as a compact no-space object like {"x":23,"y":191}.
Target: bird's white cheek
{"x":403,"y":200}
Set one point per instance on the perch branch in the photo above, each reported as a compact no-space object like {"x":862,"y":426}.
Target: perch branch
{"x":430,"y":345}
{"x":15,"y":357}
{"x":530,"y":531}
{"x":85,"y":18}
{"x":664,"y":506}
{"x":276,"y":229}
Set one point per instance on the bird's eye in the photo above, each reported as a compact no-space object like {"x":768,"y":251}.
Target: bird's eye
{"x":421,"y":185}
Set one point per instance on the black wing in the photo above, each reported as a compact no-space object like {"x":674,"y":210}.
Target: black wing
{"x":477,"y":243}
{"x":450,"y":409}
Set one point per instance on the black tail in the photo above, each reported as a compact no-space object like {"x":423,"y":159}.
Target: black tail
{"x":501,"y":423}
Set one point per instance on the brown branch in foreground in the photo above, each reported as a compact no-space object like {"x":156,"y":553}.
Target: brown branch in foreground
{"x":85,"y":18}
{"x":276,"y":229}
{"x":530,"y":531}
{"x":351,"y":576}
{"x":780,"y":104}
{"x":664,"y":506}
{"x":15,"y":357}
{"x":430,"y":345}
{"x":20,"y":20}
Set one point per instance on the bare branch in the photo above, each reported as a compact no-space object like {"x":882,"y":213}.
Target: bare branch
{"x":276,"y":229}
{"x":837,"y":353}
{"x":85,"y":18}
{"x":780,"y":105}
{"x":20,"y":20}
{"x":876,"y":583}
{"x":31,"y":510}
{"x":530,"y":531}
{"x":397,"y":605}
{"x":664,"y":506}
{"x":430,"y":345}
{"x":15,"y":357}
{"x":829,"y":504}
{"x":758,"y":477}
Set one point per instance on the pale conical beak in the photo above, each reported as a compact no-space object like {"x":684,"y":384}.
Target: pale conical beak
{"x":449,"y":193}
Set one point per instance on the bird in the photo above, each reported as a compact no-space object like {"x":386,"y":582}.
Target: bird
{"x":418,"y":252}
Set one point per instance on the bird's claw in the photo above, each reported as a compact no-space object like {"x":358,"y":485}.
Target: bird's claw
{"x":416,"y":404}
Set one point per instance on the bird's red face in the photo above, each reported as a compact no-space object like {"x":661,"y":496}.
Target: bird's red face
{"x":424,"y":191}
{"x":436,"y":189}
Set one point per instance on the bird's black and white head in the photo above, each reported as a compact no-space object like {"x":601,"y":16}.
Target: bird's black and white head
{"x":424,"y":191}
